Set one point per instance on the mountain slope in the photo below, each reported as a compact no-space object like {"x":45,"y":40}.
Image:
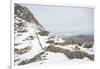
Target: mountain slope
{"x":33,"y":43}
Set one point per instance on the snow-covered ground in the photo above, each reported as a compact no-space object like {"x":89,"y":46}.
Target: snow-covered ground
{"x":23,"y":40}
{"x":56,"y":60}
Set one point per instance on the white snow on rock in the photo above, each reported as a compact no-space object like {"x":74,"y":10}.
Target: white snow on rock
{"x":57,"y":60}
{"x":29,"y":38}
{"x":72,"y":47}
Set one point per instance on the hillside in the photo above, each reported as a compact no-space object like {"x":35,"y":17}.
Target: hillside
{"x":34,"y":44}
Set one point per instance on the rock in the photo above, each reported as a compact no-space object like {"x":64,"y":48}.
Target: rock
{"x":43,"y":33}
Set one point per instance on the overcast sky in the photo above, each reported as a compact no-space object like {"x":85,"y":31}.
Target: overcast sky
{"x":66,"y":20}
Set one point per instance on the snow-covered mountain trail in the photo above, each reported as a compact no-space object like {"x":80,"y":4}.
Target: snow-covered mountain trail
{"x":35,"y":45}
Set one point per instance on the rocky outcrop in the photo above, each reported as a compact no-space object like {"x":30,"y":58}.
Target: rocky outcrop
{"x":34,"y":59}
{"x":70,"y":54}
{"x":25,"y":14}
